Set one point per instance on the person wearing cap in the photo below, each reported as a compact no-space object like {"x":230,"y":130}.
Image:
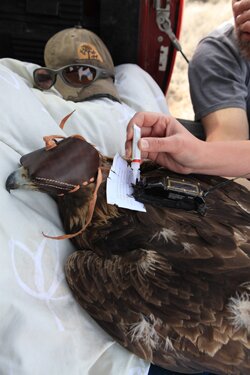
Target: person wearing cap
{"x":219,"y":78}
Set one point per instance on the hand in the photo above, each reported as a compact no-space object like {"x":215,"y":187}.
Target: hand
{"x":241,"y":12}
{"x":165,"y":141}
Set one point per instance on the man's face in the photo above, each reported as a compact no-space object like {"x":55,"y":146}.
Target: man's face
{"x":241,"y":12}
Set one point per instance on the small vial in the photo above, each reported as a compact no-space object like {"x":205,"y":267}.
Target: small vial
{"x":136,"y":154}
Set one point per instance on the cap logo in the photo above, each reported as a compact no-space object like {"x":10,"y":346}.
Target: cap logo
{"x":87,"y":51}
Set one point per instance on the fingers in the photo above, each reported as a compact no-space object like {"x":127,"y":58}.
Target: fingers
{"x":240,"y":6}
{"x":155,"y":127}
{"x":167,"y":144}
{"x":139,"y":120}
{"x":241,"y":10}
{"x":151,"y":124}
{"x":244,"y":28}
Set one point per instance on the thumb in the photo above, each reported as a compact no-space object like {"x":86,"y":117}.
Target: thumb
{"x":166,"y":144}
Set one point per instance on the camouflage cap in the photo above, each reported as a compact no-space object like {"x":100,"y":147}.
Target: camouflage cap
{"x":78,"y":45}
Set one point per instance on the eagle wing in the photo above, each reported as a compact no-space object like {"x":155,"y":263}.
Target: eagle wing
{"x":174,"y":284}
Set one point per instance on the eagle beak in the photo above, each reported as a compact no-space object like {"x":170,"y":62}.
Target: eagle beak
{"x":19,"y":180}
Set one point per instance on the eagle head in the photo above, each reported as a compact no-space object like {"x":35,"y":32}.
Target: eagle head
{"x":56,"y":168}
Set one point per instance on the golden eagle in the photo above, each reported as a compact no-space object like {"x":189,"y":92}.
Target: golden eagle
{"x":171,"y":284}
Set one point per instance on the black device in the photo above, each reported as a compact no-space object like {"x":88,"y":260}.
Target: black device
{"x":170,"y":192}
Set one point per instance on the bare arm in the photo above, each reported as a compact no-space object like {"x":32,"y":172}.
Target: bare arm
{"x":231,"y":123}
{"x":226,"y":124}
{"x":165,"y":141}
{"x":231,"y":158}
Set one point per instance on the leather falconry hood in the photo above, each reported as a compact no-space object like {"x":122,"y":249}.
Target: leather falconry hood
{"x":55,"y":168}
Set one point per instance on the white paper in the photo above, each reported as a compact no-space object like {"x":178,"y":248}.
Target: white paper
{"x":119,"y":189}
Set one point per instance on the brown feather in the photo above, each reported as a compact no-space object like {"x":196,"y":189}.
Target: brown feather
{"x":170,"y":285}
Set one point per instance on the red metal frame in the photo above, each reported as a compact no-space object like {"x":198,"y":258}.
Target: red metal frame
{"x":151,"y":38}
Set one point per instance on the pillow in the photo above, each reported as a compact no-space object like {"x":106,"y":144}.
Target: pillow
{"x":42,"y":328}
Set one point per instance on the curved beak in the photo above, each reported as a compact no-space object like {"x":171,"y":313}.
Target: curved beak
{"x":19,"y":179}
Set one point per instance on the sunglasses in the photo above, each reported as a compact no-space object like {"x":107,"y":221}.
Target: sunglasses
{"x":75,"y":75}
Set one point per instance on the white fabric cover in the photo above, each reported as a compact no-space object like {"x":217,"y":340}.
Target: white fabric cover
{"x":42,"y":328}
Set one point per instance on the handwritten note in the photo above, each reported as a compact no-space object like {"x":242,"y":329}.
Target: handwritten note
{"x":119,"y":188}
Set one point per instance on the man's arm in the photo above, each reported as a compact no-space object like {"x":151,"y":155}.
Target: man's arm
{"x":219,"y":87}
{"x":226,"y":124}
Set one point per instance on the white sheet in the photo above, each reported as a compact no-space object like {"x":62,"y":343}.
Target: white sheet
{"x":42,"y":328}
